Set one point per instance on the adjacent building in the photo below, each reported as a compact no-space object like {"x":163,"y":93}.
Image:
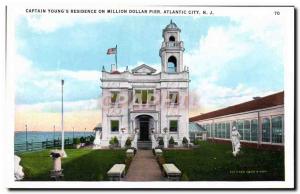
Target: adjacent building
{"x":146,"y":101}
{"x":260,"y":122}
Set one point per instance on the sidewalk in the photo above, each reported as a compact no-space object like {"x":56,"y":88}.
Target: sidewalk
{"x":144,"y":167}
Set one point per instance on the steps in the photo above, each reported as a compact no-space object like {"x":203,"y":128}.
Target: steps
{"x":144,"y":145}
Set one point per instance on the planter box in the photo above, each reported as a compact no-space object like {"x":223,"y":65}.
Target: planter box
{"x":158,"y":152}
{"x":130,"y":153}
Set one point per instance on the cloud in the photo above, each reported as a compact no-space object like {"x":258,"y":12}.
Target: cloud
{"x":51,"y":22}
{"x":34,"y":85}
{"x":221,"y":66}
{"x":55,"y":106}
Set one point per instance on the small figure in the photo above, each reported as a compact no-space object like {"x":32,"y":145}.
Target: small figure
{"x":135,"y":138}
{"x":235,"y":139}
{"x":165,"y":138}
{"x":97,"y":141}
{"x":123,"y":138}
{"x":19,"y":174}
{"x":154,"y":142}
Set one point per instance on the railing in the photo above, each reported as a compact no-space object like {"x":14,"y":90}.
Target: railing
{"x":48,"y":144}
{"x":173,"y":44}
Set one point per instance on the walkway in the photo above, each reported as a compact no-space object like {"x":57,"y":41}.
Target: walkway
{"x":144,"y":167}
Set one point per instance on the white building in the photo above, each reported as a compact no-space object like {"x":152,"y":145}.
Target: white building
{"x":145,"y":101}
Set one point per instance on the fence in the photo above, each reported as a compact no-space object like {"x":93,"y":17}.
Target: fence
{"x":48,"y":144}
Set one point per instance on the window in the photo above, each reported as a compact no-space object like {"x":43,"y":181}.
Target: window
{"x":173,"y":126}
{"x":208,"y":131}
{"x":277,"y":129}
{"x":219,"y":130}
{"x":114,"y":125}
{"x":144,"y":96}
{"x":172,"y":38}
{"x":212,"y":130}
{"x":240,"y":128}
{"x":254,"y":126}
{"x":172,"y":64}
{"x":223,"y":131}
{"x":247,"y":130}
{"x":173,"y":97}
{"x":114,"y":97}
{"x":227,"y":130}
{"x":265,"y":130}
{"x":216,"y":130}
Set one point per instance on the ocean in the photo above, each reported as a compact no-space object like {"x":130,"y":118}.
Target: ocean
{"x":34,"y":136}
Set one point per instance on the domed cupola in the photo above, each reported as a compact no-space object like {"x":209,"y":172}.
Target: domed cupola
{"x":172,"y":49}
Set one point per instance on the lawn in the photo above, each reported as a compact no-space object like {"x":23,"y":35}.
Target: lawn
{"x":215,"y":162}
{"x":80,"y":165}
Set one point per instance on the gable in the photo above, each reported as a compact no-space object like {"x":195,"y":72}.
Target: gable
{"x":143,"y":69}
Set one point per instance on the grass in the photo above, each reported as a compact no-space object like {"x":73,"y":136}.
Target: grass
{"x":215,"y":162}
{"x":80,"y":165}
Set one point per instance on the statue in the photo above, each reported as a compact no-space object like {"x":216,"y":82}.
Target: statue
{"x":154,"y":142}
{"x":19,"y":174}
{"x":235,"y":139}
{"x":97,"y":141}
{"x":165,"y":138}
{"x":123,"y":138}
{"x":135,"y":139}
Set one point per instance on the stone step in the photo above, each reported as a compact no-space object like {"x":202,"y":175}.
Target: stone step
{"x":144,"y":145}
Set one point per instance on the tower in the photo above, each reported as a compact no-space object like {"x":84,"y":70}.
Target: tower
{"x":171,"y":51}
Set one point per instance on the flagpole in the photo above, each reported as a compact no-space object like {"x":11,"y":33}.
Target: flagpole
{"x":116,"y":56}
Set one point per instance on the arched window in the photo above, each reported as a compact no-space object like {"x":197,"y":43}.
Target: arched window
{"x":172,"y":64}
{"x":172,"y":38}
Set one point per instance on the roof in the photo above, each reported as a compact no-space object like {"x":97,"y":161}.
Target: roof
{"x":115,"y":72}
{"x":143,"y":69}
{"x":259,"y":103}
{"x":172,"y":26}
{"x":195,"y":128}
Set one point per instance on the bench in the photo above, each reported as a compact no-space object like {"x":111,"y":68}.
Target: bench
{"x":130,"y":153}
{"x":116,"y":172}
{"x":158,"y":152}
{"x":172,"y":172}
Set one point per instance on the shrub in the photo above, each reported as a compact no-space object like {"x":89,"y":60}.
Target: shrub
{"x":171,"y":141}
{"x":111,"y":141}
{"x":92,"y":138}
{"x":197,"y":142}
{"x":128,"y":142}
{"x":76,"y":140}
{"x":185,"y":141}
{"x":116,"y":141}
{"x":161,"y":142}
{"x":82,"y":140}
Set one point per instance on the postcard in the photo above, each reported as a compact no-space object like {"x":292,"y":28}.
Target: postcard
{"x":150,"y":97}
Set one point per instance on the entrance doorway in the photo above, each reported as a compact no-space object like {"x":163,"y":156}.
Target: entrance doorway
{"x":144,"y":126}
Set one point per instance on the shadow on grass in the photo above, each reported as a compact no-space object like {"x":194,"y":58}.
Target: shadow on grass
{"x":80,"y":165}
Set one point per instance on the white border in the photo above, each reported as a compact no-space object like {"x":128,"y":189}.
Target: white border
{"x":289,"y":117}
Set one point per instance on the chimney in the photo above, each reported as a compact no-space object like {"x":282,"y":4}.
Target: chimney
{"x":113,"y":67}
{"x":256,"y":97}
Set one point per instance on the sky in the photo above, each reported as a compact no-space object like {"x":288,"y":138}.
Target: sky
{"x":231,"y":59}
